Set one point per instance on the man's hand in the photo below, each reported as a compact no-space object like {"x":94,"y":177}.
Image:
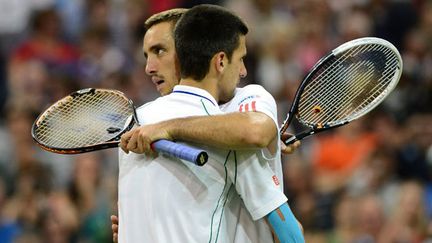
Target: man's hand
{"x":139,"y":139}
{"x":114,"y":227}
{"x":288,"y":149}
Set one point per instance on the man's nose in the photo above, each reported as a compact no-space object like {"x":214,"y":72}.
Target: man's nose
{"x":243,"y":72}
{"x":150,"y":66}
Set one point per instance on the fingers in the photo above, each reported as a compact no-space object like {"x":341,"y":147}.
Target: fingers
{"x":144,"y":146}
{"x":288,"y":149}
{"x":133,"y":142}
{"x":114,"y":227}
{"x":124,"y":141}
{"x":285,"y":149}
{"x":114,"y":219}
{"x":149,"y":151}
{"x":137,"y":140}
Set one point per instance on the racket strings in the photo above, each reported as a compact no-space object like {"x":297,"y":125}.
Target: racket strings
{"x":348,"y":85}
{"x":76,"y":122}
{"x":370,"y":91}
{"x":343,"y":109}
{"x":347,"y":107}
{"x":363,"y":95}
{"x":324,"y":91}
{"x":340,"y":71}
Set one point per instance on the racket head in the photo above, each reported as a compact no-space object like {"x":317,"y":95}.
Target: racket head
{"x":86,"y":120}
{"x":346,"y":84}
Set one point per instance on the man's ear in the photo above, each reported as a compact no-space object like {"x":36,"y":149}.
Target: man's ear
{"x":220,"y":61}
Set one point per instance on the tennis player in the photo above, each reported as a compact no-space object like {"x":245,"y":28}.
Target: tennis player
{"x":259,"y":101}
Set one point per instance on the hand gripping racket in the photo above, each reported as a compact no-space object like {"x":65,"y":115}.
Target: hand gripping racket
{"x":344,"y":85}
{"x":94,"y":119}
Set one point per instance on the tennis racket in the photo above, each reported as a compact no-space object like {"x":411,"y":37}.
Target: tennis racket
{"x":344,"y":85}
{"x":94,"y":119}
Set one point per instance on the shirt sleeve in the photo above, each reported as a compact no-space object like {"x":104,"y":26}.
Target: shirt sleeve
{"x":256,"y":98}
{"x":256,"y":183}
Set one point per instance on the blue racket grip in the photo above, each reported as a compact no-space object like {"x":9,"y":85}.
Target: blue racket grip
{"x":191,"y":154}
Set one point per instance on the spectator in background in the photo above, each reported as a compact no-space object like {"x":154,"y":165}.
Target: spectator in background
{"x":370,"y":218}
{"x":408,"y":222}
{"x":45,"y":44}
{"x":278,"y":69}
{"x":9,"y":229}
{"x":90,"y":198}
{"x":299,"y":189}
{"x":23,"y":161}
{"x":3,"y":83}
{"x":393,"y":19}
{"x":412,"y":162}
{"x":417,"y":76}
{"x":42,"y":56}
{"x":58,"y":219}
{"x":30,"y":179}
{"x":338,"y":154}
{"x":376,"y":175}
{"x":99,"y":58}
{"x":72,"y":14}
{"x":335,"y":157}
{"x":346,"y":225}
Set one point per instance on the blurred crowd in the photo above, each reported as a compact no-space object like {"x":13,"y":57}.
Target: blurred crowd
{"x":370,"y":181}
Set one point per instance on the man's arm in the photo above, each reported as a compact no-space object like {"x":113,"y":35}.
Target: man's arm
{"x":238,"y":130}
{"x":284,"y":226}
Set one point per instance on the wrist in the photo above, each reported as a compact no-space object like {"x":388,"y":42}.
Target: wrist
{"x":171,"y":129}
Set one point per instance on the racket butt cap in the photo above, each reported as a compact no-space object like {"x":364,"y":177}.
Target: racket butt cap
{"x":201,"y":159}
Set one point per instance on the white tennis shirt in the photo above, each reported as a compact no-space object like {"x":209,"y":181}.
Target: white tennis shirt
{"x":169,"y":200}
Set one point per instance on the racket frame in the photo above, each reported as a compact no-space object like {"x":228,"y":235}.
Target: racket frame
{"x":316,"y":128}
{"x":110,"y":143}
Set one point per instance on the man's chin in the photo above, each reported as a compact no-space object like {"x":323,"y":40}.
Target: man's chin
{"x":164,"y":91}
{"x":165,"y":88}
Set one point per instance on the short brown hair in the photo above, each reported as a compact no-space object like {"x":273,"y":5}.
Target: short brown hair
{"x":171,"y":15}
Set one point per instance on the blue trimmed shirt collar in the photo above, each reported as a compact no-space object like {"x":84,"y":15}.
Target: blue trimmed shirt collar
{"x":195,"y":92}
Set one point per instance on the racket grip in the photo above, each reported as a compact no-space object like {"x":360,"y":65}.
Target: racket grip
{"x":191,"y":154}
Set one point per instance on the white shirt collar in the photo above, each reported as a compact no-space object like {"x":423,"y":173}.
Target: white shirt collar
{"x":196,"y":92}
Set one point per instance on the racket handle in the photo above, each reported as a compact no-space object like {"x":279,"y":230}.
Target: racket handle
{"x":191,"y":154}
{"x":300,"y":136}
{"x":291,"y":140}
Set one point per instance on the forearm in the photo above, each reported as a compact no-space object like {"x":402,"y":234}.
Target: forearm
{"x":234,"y":131}
{"x":285,"y":226}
